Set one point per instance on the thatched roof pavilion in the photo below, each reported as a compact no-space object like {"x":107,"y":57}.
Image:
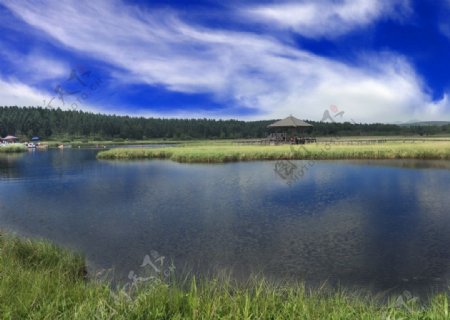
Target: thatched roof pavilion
{"x":289,"y":122}
{"x":287,"y":129}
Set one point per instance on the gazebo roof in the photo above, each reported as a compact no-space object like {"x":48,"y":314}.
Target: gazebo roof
{"x":289,"y":122}
{"x":9,"y":138}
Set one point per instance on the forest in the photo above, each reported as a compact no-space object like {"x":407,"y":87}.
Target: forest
{"x":25,"y":122}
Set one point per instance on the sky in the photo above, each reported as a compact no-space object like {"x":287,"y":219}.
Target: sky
{"x":376,"y":60}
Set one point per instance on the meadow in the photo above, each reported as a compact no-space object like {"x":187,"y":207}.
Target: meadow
{"x":41,"y":281}
{"x":323,"y":150}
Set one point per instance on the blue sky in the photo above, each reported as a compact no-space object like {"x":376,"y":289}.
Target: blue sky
{"x":379,"y":61}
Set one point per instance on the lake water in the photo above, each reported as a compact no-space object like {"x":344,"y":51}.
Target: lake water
{"x":381,"y":225}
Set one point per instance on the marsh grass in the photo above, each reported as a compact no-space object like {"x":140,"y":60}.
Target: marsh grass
{"x":41,"y":281}
{"x":13,"y":148}
{"x":320,"y":151}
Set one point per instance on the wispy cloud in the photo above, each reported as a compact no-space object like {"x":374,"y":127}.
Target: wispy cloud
{"x":35,"y":66}
{"x":444,"y":23}
{"x":245,"y":69}
{"x":327,"y":18}
{"x":13,"y":92}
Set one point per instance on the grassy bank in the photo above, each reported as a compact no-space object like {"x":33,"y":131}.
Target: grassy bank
{"x":41,"y":281}
{"x":13,"y":148}
{"x":229,"y":152}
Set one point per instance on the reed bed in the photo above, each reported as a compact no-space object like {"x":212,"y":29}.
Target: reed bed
{"x":319,"y":151}
{"x":13,"y":148}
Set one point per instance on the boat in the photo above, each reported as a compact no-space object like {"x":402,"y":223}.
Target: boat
{"x":31,"y":145}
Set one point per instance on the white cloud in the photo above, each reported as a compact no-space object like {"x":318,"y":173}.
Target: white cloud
{"x":327,"y":18}
{"x":16,"y":93}
{"x":157,"y":48}
{"x":35,"y":66}
{"x":40,"y":67}
{"x":13,"y":93}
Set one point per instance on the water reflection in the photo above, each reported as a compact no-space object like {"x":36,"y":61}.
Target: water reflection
{"x":363,"y":224}
{"x":405,"y":163}
{"x":8,"y":165}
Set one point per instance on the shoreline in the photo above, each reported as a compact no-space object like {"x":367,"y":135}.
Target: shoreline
{"x":41,"y":280}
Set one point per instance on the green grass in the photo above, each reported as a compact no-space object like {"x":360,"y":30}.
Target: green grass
{"x":13,"y":148}
{"x":233,"y":152}
{"x":41,"y":281}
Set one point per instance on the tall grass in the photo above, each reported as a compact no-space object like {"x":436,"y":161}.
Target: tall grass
{"x":227,"y":153}
{"x":41,"y":281}
{"x":13,"y":148}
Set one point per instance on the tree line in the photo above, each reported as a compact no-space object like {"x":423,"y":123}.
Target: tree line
{"x":26,"y":122}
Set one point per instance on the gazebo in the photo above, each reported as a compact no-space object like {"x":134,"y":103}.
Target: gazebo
{"x":288,"y":130}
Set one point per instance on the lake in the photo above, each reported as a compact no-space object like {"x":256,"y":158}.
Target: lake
{"x":378,"y":225}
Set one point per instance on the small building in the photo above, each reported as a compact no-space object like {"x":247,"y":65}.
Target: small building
{"x":9,"y":139}
{"x":290,"y":130}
